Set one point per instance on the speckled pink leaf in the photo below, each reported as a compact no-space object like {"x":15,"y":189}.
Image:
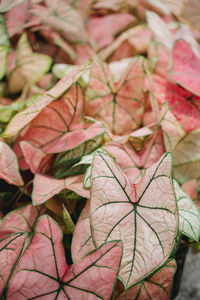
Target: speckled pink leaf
{"x":45,"y":187}
{"x":183,"y":104}
{"x":120,"y":209}
{"x":158,"y":286}
{"x":119,"y":104}
{"x":186,"y":67}
{"x":44,"y":265}
{"x":103,"y":29}
{"x":25,"y":117}
{"x":9,"y":170}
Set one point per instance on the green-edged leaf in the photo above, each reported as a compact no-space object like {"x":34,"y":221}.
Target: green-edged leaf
{"x":144,"y":215}
{"x":29,"y":68}
{"x":156,"y":287}
{"x":171,"y":128}
{"x":45,"y":187}
{"x":25,"y":117}
{"x":9,"y":170}
{"x":189,"y":214}
{"x":69,"y":224}
{"x":4,"y":47}
{"x":119,"y":104}
{"x":43,"y":273}
{"x":186,"y":157}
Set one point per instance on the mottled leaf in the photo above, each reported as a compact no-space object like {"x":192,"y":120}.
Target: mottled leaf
{"x":9,"y":170}
{"x":183,"y":104}
{"x":4,"y":47}
{"x":189,"y":215}
{"x":46,"y":267}
{"x":9,"y":4}
{"x":119,"y":209}
{"x":186,"y":67}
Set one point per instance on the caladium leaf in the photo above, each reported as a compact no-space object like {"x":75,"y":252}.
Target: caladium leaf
{"x":183,"y":105}
{"x":160,"y":30}
{"x":29,"y":68}
{"x":25,"y":117}
{"x":11,"y":248}
{"x":186,"y":67}
{"x":104,"y":29}
{"x":52,"y":277}
{"x":19,"y":18}
{"x":45,"y":187}
{"x":59,"y":129}
{"x":155,"y":287}
{"x":189,"y":215}
{"x":9,"y":170}
{"x":82,"y":242}
{"x":15,"y":234}
{"x":69,"y":224}
{"x":172,"y":130}
{"x":119,"y":209}
{"x":63,"y":18}
{"x":119,"y":104}
{"x":22,"y":219}
{"x":4,"y":47}
{"x":186,"y":157}
{"x":9,"y":4}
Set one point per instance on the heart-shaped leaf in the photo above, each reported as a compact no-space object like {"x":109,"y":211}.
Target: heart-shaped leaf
{"x":63,"y":18}
{"x":44,"y":265}
{"x":119,"y":104}
{"x":45,"y":187}
{"x":186,"y":157}
{"x":155,"y":287}
{"x":15,"y":234}
{"x":103,"y":29}
{"x":189,"y":215}
{"x":183,"y":105}
{"x":25,"y":117}
{"x":186,"y":67}
{"x":9,"y":170}
{"x":29,"y":68}
{"x":119,"y":209}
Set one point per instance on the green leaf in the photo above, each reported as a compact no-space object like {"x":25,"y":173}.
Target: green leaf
{"x":189,"y":215}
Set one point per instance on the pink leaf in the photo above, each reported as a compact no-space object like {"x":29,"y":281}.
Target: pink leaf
{"x":104,"y":29}
{"x":186,"y":67}
{"x":45,"y":187}
{"x":15,"y":233}
{"x":43,"y":272}
{"x":158,"y":286}
{"x":9,"y":170}
{"x":131,"y":212}
{"x":82,"y":242}
{"x":120,"y":104}
{"x":182,"y":103}
{"x":7,"y":5}
{"x":25,"y":117}
{"x":62,"y":18}
{"x":19,"y":18}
